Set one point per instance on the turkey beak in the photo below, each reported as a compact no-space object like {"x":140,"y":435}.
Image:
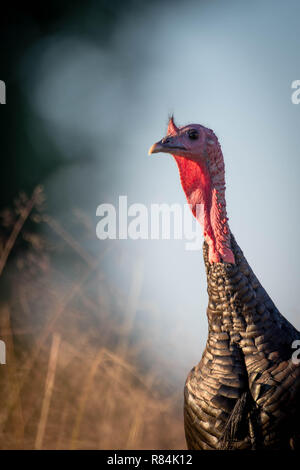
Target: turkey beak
{"x":157,"y":147}
{"x":165,"y":145}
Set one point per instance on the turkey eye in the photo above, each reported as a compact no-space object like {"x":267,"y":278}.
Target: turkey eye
{"x":193,"y":134}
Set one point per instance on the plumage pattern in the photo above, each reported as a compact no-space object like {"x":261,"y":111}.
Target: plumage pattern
{"x":245,"y":391}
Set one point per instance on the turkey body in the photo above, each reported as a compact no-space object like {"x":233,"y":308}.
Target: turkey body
{"x":245,"y":391}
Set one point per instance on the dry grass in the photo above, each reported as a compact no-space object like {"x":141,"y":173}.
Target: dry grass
{"x":78,"y":373}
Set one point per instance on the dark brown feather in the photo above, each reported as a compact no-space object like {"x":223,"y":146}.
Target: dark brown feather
{"x":245,"y":391}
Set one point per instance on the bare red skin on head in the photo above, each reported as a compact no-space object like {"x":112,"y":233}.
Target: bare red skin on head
{"x":204,"y":183}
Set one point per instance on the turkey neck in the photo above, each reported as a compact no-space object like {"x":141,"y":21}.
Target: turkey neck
{"x":238,"y":304}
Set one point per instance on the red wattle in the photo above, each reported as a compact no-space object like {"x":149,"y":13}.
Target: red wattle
{"x":199,"y":189}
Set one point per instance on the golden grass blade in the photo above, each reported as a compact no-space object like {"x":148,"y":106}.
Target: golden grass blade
{"x":84,"y":396}
{"x":48,"y":390}
{"x":60,"y":433}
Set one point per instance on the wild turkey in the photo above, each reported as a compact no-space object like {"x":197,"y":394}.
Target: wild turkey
{"x":245,"y":391}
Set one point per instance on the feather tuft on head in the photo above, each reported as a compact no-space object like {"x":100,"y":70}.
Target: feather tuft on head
{"x":172,"y":128}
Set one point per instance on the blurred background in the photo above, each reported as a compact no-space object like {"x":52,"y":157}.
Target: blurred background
{"x":100,"y":335}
